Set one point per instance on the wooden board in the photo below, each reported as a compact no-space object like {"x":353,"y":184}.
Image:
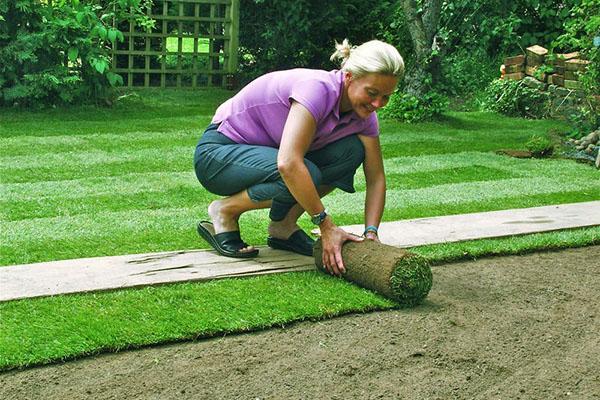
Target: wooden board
{"x":455,"y":228}
{"x":105,"y":273}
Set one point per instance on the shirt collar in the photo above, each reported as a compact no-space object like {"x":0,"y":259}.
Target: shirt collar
{"x":336,"y":111}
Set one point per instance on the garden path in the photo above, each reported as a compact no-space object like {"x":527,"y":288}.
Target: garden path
{"x":115,"y":272}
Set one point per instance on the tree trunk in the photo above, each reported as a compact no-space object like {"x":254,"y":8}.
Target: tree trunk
{"x":423,"y":27}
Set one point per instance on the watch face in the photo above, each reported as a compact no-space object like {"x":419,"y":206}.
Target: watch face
{"x":317,"y":219}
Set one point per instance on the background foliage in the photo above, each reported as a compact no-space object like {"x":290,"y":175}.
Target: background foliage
{"x":59,"y":53}
{"x":472,"y":39}
{"x":281,"y":34}
{"x":582,"y":26}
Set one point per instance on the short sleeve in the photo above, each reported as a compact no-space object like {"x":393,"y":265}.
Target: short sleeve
{"x":371,"y":127}
{"x":315,"y":95}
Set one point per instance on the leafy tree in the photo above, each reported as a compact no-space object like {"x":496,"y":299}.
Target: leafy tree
{"x":281,"y":34}
{"x":581,"y":29}
{"x":59,"y":52}
{"x":582,"y":33}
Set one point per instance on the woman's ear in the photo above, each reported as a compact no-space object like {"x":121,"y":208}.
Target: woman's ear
{"x":347,"y":76}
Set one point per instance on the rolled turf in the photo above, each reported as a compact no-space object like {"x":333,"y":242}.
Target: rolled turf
{"x":395,"y":273}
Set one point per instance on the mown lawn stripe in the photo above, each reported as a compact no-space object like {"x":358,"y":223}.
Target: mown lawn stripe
{"x":337,"y":203}
{"x":96,"y":186}
{"x":456,"y":193}
{"x":107,"y":126}
{"x":24,"y":145}
{"x":99,"y":164}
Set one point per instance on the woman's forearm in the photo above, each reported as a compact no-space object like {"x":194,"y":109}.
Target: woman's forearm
{"x":375,"y":202}
{"x":296,"y":177}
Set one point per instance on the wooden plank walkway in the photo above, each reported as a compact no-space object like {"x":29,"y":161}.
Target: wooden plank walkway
{"x":104,"y":273}
{"x":456,"y":228}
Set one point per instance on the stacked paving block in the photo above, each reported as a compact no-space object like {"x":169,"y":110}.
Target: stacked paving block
{"x":561,"y":81}
{"x":566,"y":67}
{"x":514,"y":68}
{"x":573,"y":68}
{"x":558,"y":65}
{"x":536,"y":57}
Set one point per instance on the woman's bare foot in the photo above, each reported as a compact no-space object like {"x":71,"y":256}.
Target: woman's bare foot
{"x":225,"y":217}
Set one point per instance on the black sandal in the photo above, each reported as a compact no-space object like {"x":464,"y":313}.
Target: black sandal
{"x":227,"y":244}
{"x":298,"y":242}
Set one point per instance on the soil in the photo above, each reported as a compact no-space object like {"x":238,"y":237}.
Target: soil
{"x":519,"y":327}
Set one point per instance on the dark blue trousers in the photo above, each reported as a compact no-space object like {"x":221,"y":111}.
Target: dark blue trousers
{"x":224,"y":167}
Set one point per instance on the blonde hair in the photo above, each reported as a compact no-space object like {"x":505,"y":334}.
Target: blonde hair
{"x":370,"y":57}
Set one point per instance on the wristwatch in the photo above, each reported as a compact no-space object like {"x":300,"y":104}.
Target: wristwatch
{"x":317,"y":219}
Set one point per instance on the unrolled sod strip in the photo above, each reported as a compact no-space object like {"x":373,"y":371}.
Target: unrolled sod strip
{"x":392,"y":272}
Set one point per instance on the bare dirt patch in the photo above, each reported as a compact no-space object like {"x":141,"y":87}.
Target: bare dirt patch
{"x":522,"y":327}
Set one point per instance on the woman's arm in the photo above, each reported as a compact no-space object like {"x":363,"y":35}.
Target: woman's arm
{"x":375,"y":180}
{"x":298,"y":134}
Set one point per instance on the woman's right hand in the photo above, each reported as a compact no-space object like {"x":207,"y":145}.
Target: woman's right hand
{"x":332,"y":239}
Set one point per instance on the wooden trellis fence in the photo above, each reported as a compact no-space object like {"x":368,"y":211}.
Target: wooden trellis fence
{"x":193,"y":43}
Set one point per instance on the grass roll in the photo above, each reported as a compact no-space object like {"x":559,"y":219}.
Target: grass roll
{"x":395,"y":273}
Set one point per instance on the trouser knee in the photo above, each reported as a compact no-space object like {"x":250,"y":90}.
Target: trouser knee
{"x":339,"y":161}
{"x":284,"y":201}
{"x":352,"y":151}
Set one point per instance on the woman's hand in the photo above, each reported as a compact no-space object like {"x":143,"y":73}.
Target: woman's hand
{"x":371,"y":235}
{"x":333,"y":238}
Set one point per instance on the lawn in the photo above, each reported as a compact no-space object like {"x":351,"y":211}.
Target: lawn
{"x":87,"y":181}
{"x":187,"y":44}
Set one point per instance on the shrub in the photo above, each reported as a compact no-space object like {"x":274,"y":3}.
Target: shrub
{"x":465,"y":72}
{"x":581,"y":29}
{"x":583,"y":121}
{"x":59,"y":52}
{"x":514,"y":98}
{"x":539,"y":146}
{"x":409,"y":108}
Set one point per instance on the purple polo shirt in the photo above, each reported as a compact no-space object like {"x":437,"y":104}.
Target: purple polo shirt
{"x":256,"y":115}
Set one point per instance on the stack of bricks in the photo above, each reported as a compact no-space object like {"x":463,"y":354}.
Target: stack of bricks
{"x":514,"y":68}
{"x":566,"y":68}
{"x":558,"y":65}
{"x":573,"y":68}
{"x":536,"y":57}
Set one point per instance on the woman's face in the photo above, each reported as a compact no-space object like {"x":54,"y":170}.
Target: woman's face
{"x":369,"y":92}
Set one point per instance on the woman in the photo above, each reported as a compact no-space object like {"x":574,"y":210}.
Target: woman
{"x":289,"y":138}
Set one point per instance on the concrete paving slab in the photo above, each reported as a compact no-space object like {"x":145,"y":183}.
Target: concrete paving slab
{"x":105,"y":273}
